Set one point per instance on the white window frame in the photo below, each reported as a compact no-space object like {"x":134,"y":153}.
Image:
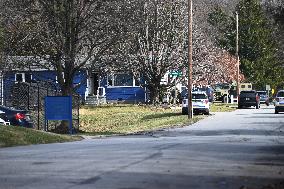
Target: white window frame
{"x":56,"y":78}
{"x":23,"y":77}
{"x":112,"y":77}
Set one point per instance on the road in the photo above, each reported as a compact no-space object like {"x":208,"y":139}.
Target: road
{"x":223,"y":151}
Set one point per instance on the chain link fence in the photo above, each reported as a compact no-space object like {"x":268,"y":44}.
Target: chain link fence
{"x":31,"y":96}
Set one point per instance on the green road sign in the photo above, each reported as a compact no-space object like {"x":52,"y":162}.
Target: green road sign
{"x":178,"y":74}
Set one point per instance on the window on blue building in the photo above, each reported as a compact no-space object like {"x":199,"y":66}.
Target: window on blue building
{"x":121,"y":79}
{"x":23,"y":77}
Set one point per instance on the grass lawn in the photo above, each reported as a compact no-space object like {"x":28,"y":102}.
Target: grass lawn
{"x":221,"y":107}
{"x":125,"y":119}
{"x":15,"y":136}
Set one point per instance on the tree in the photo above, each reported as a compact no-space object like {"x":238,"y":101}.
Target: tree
{"x":155,"y":44}
{"x":275,"y":10}
{"x":68,"y":34}
{"x":2,"y":66}
{"x":257,"y":45}
{"x":207,"y":58}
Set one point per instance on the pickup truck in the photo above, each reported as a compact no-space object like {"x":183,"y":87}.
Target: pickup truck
{"x":248,"y":99}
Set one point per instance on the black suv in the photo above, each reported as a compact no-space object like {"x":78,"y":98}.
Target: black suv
{"x":248,"y":99}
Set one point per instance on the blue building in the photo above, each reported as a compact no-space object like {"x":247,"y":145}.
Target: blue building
{"x":114,"y":87}
{"x":120,"y":86}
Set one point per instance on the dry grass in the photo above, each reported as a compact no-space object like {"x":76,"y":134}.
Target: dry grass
{"x":15,"y":136}
{"x":221,"y":107}
{"x":124,"y":119}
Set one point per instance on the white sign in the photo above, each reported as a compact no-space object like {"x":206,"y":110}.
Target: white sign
{"x":267,"y":87}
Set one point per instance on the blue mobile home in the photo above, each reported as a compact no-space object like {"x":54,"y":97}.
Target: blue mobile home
{"x":89,"y":82}
{"x":116,"y":87}
{"x":113,"y":87}
{"x":35,"y":77}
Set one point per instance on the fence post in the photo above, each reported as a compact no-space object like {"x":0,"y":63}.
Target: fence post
{"x":78,"y":112}
{"x":38,"y":107}
{"x":29,"y":96}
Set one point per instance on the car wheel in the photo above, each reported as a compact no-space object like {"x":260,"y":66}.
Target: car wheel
{"x":239,"y":107}
{"x":257,"y":106}
{"x":276,"y":112}
{"x":224,"y":99}
{"x":207,"y":112}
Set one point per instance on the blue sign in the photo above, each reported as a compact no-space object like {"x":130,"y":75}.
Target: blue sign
{"x":59,"y":108}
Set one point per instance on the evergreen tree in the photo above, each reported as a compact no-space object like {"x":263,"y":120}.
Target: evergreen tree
{"x":257,"y":47}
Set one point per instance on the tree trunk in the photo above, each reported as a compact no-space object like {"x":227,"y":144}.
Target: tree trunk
{"x":63,"y":128}
{"x":154,"y":94}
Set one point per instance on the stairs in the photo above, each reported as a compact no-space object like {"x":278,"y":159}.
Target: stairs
{"x":95,"y":100}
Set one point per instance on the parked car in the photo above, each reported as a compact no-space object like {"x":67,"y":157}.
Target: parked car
{"x":263,"y":97}
{"x":208,"y":90}
{"x":200,"y":103}
{"x":3,"y":117}
{"x":248,"y":99}
{"x":16,"y":117}
{"x":279,"y":102}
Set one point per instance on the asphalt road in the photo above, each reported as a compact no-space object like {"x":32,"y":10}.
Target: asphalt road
{"x":223,"y":151}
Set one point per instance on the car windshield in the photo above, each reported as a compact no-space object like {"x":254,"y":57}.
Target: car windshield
{"x":222,"y":86}
{"x":261,"y":93}
{"x":199,"y":96}
{"x":280,"y":94}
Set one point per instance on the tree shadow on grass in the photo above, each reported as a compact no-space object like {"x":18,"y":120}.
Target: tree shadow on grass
{"x":106,"y":106}
{"x":162,"y":115}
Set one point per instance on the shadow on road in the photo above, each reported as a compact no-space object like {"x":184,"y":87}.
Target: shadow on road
{"x":168,"y":180}
{"x":251,"y":132}
{"x":265,"y":116}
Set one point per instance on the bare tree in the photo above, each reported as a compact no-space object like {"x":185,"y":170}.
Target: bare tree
{"x":155,"y":43}
{"x":63,"y":35}
{"x":68,"y":34}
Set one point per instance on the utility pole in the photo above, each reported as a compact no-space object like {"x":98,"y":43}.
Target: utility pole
{"x":175,"y":97}
{"x":237,"y":54}
{"x":190,"y":113}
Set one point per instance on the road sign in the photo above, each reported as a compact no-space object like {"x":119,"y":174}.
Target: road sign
{"x":178,"y":74}
{"x":58,"y":108}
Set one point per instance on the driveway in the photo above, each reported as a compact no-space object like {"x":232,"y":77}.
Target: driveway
{"x":240,"y":149}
